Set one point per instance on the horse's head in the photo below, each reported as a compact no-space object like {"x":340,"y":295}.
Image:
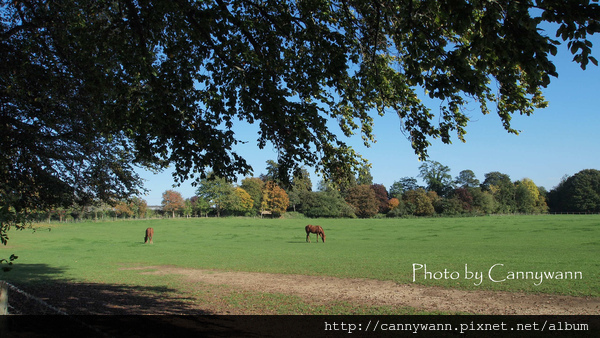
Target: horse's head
{"x":322,"y":233}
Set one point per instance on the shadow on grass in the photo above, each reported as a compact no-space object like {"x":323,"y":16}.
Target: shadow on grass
{"x":31,"y":273}
{"x":41,"y":299}
{"x":37,"y":282}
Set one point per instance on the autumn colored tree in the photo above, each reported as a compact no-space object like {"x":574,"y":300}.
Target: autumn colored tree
{"x":124,"y":209}
{"x":418,"y":202}
{"x":435,"y":199}
{"x":393,"y":203}
{"x":239,"y":201}
{"x":364,"y":201}
{"x":397,"y":208}
{"x":465,"y":197}
{"x":528,"y":198}
{"x":381,"y":195}
{"x":172,"y":201}
{"x":274,"y":199}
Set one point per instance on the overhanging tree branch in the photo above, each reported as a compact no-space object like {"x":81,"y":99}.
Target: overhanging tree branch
{"x":163,"y":82}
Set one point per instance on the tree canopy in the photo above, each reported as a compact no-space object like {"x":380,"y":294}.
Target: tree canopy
{"x":90,"y":89}
{"x":577,"y":193}
{"x":172,"y":201}
{"x":437,"y":176}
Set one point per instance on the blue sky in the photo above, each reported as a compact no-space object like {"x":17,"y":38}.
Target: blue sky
{"x":556,"y":141}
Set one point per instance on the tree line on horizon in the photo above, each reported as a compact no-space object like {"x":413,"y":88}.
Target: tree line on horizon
{"x":359,"y":197}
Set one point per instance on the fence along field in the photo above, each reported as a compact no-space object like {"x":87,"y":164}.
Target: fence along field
{"x":465,"y":253}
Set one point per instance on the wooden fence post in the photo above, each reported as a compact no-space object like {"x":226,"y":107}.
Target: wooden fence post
{"x":3,"y":298}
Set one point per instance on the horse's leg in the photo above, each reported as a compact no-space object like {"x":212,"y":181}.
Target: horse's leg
{"x":308,"y":237}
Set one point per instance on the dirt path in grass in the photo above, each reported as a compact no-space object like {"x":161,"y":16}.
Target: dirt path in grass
{"x":375,"y":292}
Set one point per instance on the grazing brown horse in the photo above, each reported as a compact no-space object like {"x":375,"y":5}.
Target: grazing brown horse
{"x":149,"y":235}
{"x":315,"y":229}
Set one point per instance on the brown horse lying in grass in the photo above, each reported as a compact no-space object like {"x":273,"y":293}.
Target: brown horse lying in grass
{"x":315,"y":229}
{"x":149,"y":235}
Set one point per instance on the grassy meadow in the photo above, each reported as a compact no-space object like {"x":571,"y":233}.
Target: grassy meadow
{"x":384,"y":249}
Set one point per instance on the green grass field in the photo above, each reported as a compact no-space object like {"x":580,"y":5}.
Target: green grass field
{"x":384,"y":249}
